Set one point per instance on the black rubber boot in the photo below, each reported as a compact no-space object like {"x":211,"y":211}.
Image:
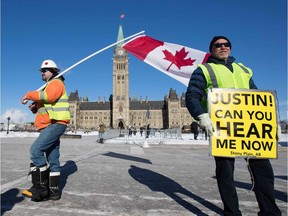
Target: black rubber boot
{"x":54,"y":190}
{"x":32,"y":172}
{"x":39,"y":189}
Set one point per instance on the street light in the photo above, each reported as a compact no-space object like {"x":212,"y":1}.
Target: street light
{"x":8,"y":118}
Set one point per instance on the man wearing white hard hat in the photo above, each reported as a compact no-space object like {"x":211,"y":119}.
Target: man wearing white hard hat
{"x":52,"y":116}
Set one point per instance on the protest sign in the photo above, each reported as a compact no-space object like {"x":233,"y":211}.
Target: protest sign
{"x":245,"y":123}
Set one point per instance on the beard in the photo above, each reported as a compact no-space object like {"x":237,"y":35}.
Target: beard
{"x":43,"y":78}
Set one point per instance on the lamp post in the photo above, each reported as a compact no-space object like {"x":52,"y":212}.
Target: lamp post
{"x":8,"y":118}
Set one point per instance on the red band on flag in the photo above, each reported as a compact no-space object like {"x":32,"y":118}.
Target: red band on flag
{"x":141,"y":46}
{"x":206,"y":58}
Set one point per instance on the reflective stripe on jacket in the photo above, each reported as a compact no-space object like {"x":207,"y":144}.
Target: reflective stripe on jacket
{"x":52,"y":104}
{"x":42,"y":119}
{"x":59,"y":109}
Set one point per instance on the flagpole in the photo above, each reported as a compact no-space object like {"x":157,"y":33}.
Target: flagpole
{"x":90,"y":56}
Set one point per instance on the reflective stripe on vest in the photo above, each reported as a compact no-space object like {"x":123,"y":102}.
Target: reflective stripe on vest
{"x":43,"y":97}
{"x":219,"y":76}
{"x":41,"y":110}
{"x":58,"y":110}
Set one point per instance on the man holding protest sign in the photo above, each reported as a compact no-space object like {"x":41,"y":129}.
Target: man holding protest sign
{"x":221,"y":71}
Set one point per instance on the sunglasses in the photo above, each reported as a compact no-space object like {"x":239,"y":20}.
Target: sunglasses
{"x":44,"y":70}
{"x":218,"y":45}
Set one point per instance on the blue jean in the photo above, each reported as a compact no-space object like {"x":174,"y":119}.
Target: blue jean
{"x":46,"y":147}
{"x":101,"y":135}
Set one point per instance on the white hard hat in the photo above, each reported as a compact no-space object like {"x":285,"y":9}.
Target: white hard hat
{"x":49,"y":64}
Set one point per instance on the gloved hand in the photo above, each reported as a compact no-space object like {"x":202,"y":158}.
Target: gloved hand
{"x":278,"y":131}
{"x":206,"y":123}
{"x":24,"y":99}
{"x":33,"y":107}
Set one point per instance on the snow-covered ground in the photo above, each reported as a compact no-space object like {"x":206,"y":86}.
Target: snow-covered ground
{"x":134,"y":139}
{"x":184,"y":139}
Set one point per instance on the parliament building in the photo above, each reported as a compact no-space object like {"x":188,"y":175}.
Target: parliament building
{"x":120,"y":111}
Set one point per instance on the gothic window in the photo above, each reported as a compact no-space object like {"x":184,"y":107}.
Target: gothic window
{"x":120,"y":109}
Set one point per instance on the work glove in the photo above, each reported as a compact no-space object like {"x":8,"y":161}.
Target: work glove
{"x":278,"y":131}
{"x":206,"y":123}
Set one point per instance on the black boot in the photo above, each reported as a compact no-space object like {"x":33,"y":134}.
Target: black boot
{"x":39,"y":189}
{"x":54,"y":190}
{"x":32,"y":172}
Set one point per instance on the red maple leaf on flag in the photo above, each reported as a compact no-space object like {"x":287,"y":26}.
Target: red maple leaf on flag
{"x":178,"y":59}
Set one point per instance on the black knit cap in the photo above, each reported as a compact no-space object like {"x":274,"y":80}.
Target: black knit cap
{"x":217,"y":38}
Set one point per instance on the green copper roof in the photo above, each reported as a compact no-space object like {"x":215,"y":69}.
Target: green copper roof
{"x":120,"y":36}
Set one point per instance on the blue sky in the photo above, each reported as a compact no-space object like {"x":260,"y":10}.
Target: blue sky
{"x":70,"y":30}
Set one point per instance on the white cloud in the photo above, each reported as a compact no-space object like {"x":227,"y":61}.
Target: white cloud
{"x":16,"y":116}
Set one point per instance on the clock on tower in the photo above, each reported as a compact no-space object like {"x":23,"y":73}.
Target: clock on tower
{"x":120,"y":52}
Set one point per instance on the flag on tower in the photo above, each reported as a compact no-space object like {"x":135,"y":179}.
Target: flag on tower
{"x":122,"y":16}
{"x":174,"y":60}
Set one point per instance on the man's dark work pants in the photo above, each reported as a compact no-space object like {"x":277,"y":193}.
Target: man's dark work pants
{"x":261,"y":172}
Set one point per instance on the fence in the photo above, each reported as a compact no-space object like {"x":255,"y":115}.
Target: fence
{"x":158,"y":135}
{"x":111,"y":133}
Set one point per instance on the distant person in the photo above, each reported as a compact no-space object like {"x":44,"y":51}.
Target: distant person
{"x":130,"y":130}
{"x":101,"y":132}
{"x":141,"y":130}
{"x":52,"y":116}
{"x":221,"y":71}
{"x":148,"y":131}
{"x":134,"y":131}
{"x":195,"y":129}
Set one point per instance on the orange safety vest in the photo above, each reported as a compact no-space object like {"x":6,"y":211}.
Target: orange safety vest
{"x":52,"y":104}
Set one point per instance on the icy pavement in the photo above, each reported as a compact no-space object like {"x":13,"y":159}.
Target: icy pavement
{"x":120,"y":178}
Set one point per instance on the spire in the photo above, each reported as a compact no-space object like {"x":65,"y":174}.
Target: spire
{"x":120,"y":36}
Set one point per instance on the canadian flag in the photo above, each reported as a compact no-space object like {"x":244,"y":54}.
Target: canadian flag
{"x":174,"y":60}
